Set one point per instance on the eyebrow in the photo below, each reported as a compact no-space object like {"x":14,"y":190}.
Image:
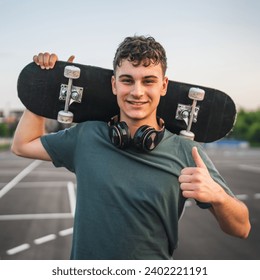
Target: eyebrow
{"x":130,"y":76}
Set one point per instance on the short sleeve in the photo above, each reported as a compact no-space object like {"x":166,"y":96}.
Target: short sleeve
{"x":61,"y":147}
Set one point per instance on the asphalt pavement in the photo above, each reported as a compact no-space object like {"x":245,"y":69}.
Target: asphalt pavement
{"x":37,"y":203}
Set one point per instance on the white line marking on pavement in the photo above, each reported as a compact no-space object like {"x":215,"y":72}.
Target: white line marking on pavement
{"x":242,"y":196}
{"x":18,"y":249}
{"x":66,"y":232}
{"x":35,"y":216}
{"x":44,"y":239}
{"x":257,"y":195}
{"x":39,"y":241}
{"x":19,"y":177}
{"x":72,"y":197}
{"x":42,"y":184}
{"x":249,"y":168}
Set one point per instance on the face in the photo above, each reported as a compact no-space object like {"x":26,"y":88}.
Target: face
{"x":138,"y":90}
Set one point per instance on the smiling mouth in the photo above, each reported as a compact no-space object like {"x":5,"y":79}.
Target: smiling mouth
{"x":137,"y":103}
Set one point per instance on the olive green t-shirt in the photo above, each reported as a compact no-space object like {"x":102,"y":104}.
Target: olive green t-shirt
{"x":128,"y":202}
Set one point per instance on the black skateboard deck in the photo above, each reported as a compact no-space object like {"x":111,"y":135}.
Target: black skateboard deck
{"x":41,"y":92}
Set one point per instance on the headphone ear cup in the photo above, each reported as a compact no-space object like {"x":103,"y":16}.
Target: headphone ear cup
{"x":147,"y":138}
{"x":151,"y":140}
{"x":140,"y":137}
{"x":119,"y":135}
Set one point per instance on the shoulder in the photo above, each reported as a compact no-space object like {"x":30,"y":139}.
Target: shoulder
{"x":84,"y":129}
{"x":91,"y":132}
{"x":88,"y":126}
{"x":180,"y":142}
{"x":181,"y":147}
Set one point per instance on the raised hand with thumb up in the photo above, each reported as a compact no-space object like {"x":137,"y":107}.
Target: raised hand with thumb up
{"x":196,"y":182}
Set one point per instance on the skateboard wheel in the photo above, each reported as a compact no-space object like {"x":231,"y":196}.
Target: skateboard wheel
{"x":187,"y":134}
{"x":72,"y":72}
{"x":196,"y":94}
{"x":65,"y":117}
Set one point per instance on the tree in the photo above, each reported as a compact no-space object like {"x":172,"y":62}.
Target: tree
{"x":247,"y":126}
{"x":4,"y":131}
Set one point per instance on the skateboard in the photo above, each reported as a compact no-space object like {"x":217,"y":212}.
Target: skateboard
{"x":72,"y":92}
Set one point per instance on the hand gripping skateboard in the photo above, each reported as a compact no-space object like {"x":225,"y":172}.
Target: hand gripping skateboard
{"x":76,"y":93}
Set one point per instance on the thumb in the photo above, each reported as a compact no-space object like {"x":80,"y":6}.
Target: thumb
{"x":71,"y":58}
{"x":197,"y":158}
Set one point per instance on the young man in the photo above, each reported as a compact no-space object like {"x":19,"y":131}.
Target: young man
{"x":133,"y":176}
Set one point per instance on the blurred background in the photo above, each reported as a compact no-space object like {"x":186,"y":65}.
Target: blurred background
{"x":211,"y":43}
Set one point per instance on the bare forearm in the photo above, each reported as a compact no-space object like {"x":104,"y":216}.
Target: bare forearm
{"x":197,"y":183}
{"x":30,"y":127}
{"x":232,"y":216}
{"x":26,"y":141}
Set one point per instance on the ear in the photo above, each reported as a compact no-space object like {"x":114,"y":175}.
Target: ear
{"x":164,"y":86}
{"x":113,"y":83}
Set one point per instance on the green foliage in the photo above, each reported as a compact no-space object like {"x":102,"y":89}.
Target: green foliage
{"x":254,"y":133}
{"x":247,"y":127}
{"x":7,"y":130}
{"x":4,"y":130}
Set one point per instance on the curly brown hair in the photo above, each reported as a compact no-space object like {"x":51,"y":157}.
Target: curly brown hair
{"x":140,"y":49}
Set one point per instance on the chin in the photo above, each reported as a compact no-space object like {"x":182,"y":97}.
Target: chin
{"x":136,"y":116}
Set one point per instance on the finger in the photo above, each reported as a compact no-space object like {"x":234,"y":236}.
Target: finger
{"x":185,"y":178}
{"x":197,"y":158}
{"x":188,"y":194}
{"x":188,"y":170}
{"x":71,"y":58}
{"x":39,"y":59}
{"x":52,"y":60}
{"x":46,"y":60}
{"x":35,"y":59}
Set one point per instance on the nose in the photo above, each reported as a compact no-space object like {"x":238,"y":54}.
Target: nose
{"x":137,"y":90}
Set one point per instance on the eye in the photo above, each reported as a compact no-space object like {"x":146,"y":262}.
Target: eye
{"x":149,"y":81}
{"x":126,"y":81}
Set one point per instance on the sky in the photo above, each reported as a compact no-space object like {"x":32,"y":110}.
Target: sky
{"x":214,"y":43}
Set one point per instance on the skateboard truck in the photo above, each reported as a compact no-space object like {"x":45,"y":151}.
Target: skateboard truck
{"x":68,"y":92}
{"x":189,"y":113}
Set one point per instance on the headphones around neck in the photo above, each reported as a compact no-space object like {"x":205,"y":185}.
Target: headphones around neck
{"x":146,"y":137}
